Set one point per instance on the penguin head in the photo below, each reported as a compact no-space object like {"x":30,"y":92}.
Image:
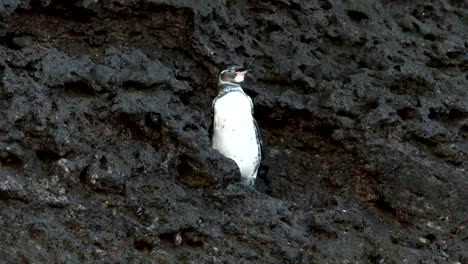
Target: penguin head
{"x":232,"y":74}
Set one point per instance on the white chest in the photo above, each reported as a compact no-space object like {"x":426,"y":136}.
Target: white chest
{"x":235,"y":133}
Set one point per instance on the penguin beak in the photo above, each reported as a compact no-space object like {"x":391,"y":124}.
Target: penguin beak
{"x":241,"y":73}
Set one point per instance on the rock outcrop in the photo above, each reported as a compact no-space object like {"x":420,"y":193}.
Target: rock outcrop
{"x":105,"y":155}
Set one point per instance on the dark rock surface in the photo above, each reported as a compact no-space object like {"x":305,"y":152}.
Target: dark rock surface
{"x":105,"y":155}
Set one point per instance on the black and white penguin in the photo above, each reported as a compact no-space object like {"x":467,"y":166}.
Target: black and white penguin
{"x":235,"y":132}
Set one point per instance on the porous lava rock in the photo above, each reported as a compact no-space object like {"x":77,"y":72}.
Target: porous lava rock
{"x":105,"y":153}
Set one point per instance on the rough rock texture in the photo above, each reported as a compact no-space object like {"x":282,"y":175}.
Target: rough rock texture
{"x":105,"y":155}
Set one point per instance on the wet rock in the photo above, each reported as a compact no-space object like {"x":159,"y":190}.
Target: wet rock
{"x":105,"y":153}
{"x":10,"y":188}
{"x":7,"y":7}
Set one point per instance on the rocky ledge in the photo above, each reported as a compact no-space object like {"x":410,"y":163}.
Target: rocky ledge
{"x":105,"y":155}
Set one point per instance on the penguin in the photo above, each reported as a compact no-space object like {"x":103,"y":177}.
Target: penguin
{"x":235,"y":132}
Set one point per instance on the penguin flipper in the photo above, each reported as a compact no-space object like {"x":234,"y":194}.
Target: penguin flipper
{"x":210,"y":129}
{"x":259,"y":137}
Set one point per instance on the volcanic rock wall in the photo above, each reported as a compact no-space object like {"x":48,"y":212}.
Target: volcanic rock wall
{"x":105,"y":155}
